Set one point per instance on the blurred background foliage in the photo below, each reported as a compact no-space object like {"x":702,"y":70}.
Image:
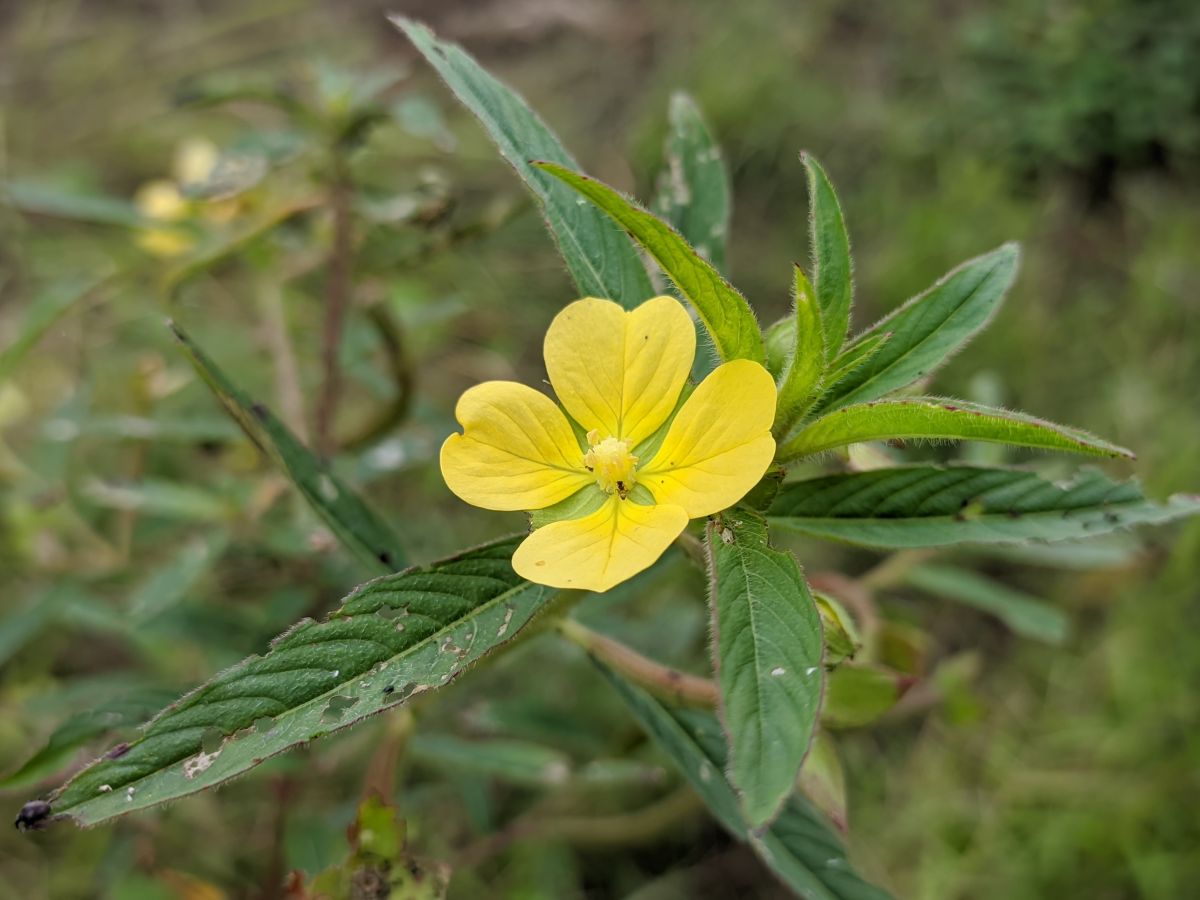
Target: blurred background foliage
{"x":186,"y":160}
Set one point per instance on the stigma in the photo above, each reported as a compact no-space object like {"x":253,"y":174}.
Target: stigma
{"x":611,"y":462}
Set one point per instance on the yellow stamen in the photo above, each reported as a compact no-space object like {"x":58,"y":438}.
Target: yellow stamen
{"x":611,"y":462}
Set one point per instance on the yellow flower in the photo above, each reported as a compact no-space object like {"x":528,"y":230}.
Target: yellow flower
{"x":161,"y":201}
{"x":643,"y":470}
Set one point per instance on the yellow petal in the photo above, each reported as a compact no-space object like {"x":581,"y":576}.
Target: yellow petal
{"x":620,"y":372}
{"x":195,"y":160}
{"x":719,"y":445}
{"x":517,"y":450}
{"x":160,"y":200}
{"x":602,"y":549}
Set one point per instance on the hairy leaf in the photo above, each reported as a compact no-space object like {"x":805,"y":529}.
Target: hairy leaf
{"x":1025,"y":615}
{"x":724,"y":311}
{"x":854,"y":357}
{"x":692,"y":192}
{"x":767,"y":651}
{"x":932,"y":506}
{"x":832,"y":268}
{"x":799,"y":847}
{"x":930,"y":328}
{"x":348,"y":517}
{"x":801,"y":375}
{"x":599,"y":257}
{"x":937,"y":418}
{"x":392,"y":639}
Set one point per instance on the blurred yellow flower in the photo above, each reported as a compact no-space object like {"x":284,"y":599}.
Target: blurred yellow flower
{"x":162,"y":200}
{"x":195,"y":160}
{"x":643,"y":470}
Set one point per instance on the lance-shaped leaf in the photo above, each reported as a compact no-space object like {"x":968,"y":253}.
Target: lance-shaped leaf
{"x":801,"y":375}
{"x":1025,"y":615}
{"x":767,"y":656}
{"x":599,"y":257}
{"x":692,"y":192}
{"x":930,"y":328}
{"x":937,"y":418}
{"x":724,"y":311}
{"x":800,"y":848}
{"x":348,"y":517}
{"x":392,"y":639}
{"x":932,"y":506}
{"x":832,"y":268}
{"x":854,"y":357}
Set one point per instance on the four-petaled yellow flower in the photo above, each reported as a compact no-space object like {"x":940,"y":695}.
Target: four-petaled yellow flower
{"x":637,"y":464}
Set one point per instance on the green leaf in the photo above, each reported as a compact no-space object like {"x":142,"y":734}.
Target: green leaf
{"x":47,"y":307}
{"x":767,"y":650}
{"x":842,"y":640}
{"x":52,"y":200}
{"x":938,"y":418}
{"x":858,"y":695}
{"x":601,"y":260}
{"x":81,"y":729}
{"x":801,"y":375}
{"x":823,"y":781}
{"x":1025,"y":615}
{"x":724,"y":311}
{"x":853,"y":357}
{"x":799,"y":847}
{"x":692,"y":192}
{"x":512,"y":761}
{"x":933,"y":506}
{"x":348,"y":517}
{"x":392,"y":639}
{"x":155,"y":497}
{"x":832,"y":268}
{"x":930,"y":328}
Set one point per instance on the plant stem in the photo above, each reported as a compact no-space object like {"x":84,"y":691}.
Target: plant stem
{"x":287,"y":372}
{"x":640,"y":826}
{"x":671,"y":684}
{"x":337,"y":300}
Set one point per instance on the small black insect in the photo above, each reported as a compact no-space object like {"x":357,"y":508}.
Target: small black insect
{"x":390,"y":689}
{"x":34,"y":816}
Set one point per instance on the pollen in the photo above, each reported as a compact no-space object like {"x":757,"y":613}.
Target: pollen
{"x":610,"y":461}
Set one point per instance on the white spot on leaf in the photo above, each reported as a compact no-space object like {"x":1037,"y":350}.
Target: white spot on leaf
{"x":199,"y":763}
{"x":777,"y":671}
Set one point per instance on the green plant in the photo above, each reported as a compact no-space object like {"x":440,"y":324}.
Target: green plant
{"x":407,"y":634}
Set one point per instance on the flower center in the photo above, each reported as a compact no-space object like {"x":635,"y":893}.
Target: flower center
{"x":612,"y":464}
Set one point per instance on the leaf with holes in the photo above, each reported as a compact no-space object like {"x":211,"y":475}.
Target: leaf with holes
{"x":929,"y":329}
{"x":392,"y":639}
{"x":599,"y":257}
{"x":832,"y":268}
{"x":767,"y":655}
{"x":800,"y":848}
{"x":724,"y":311}
{"x":353,"y":522}
{"x":692,"y":192}
{"x":940,"y":419}
{"x":933,"y":506}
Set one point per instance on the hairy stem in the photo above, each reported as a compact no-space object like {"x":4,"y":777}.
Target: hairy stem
{"x":670,"y":684}
{"x":337,"y":301}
